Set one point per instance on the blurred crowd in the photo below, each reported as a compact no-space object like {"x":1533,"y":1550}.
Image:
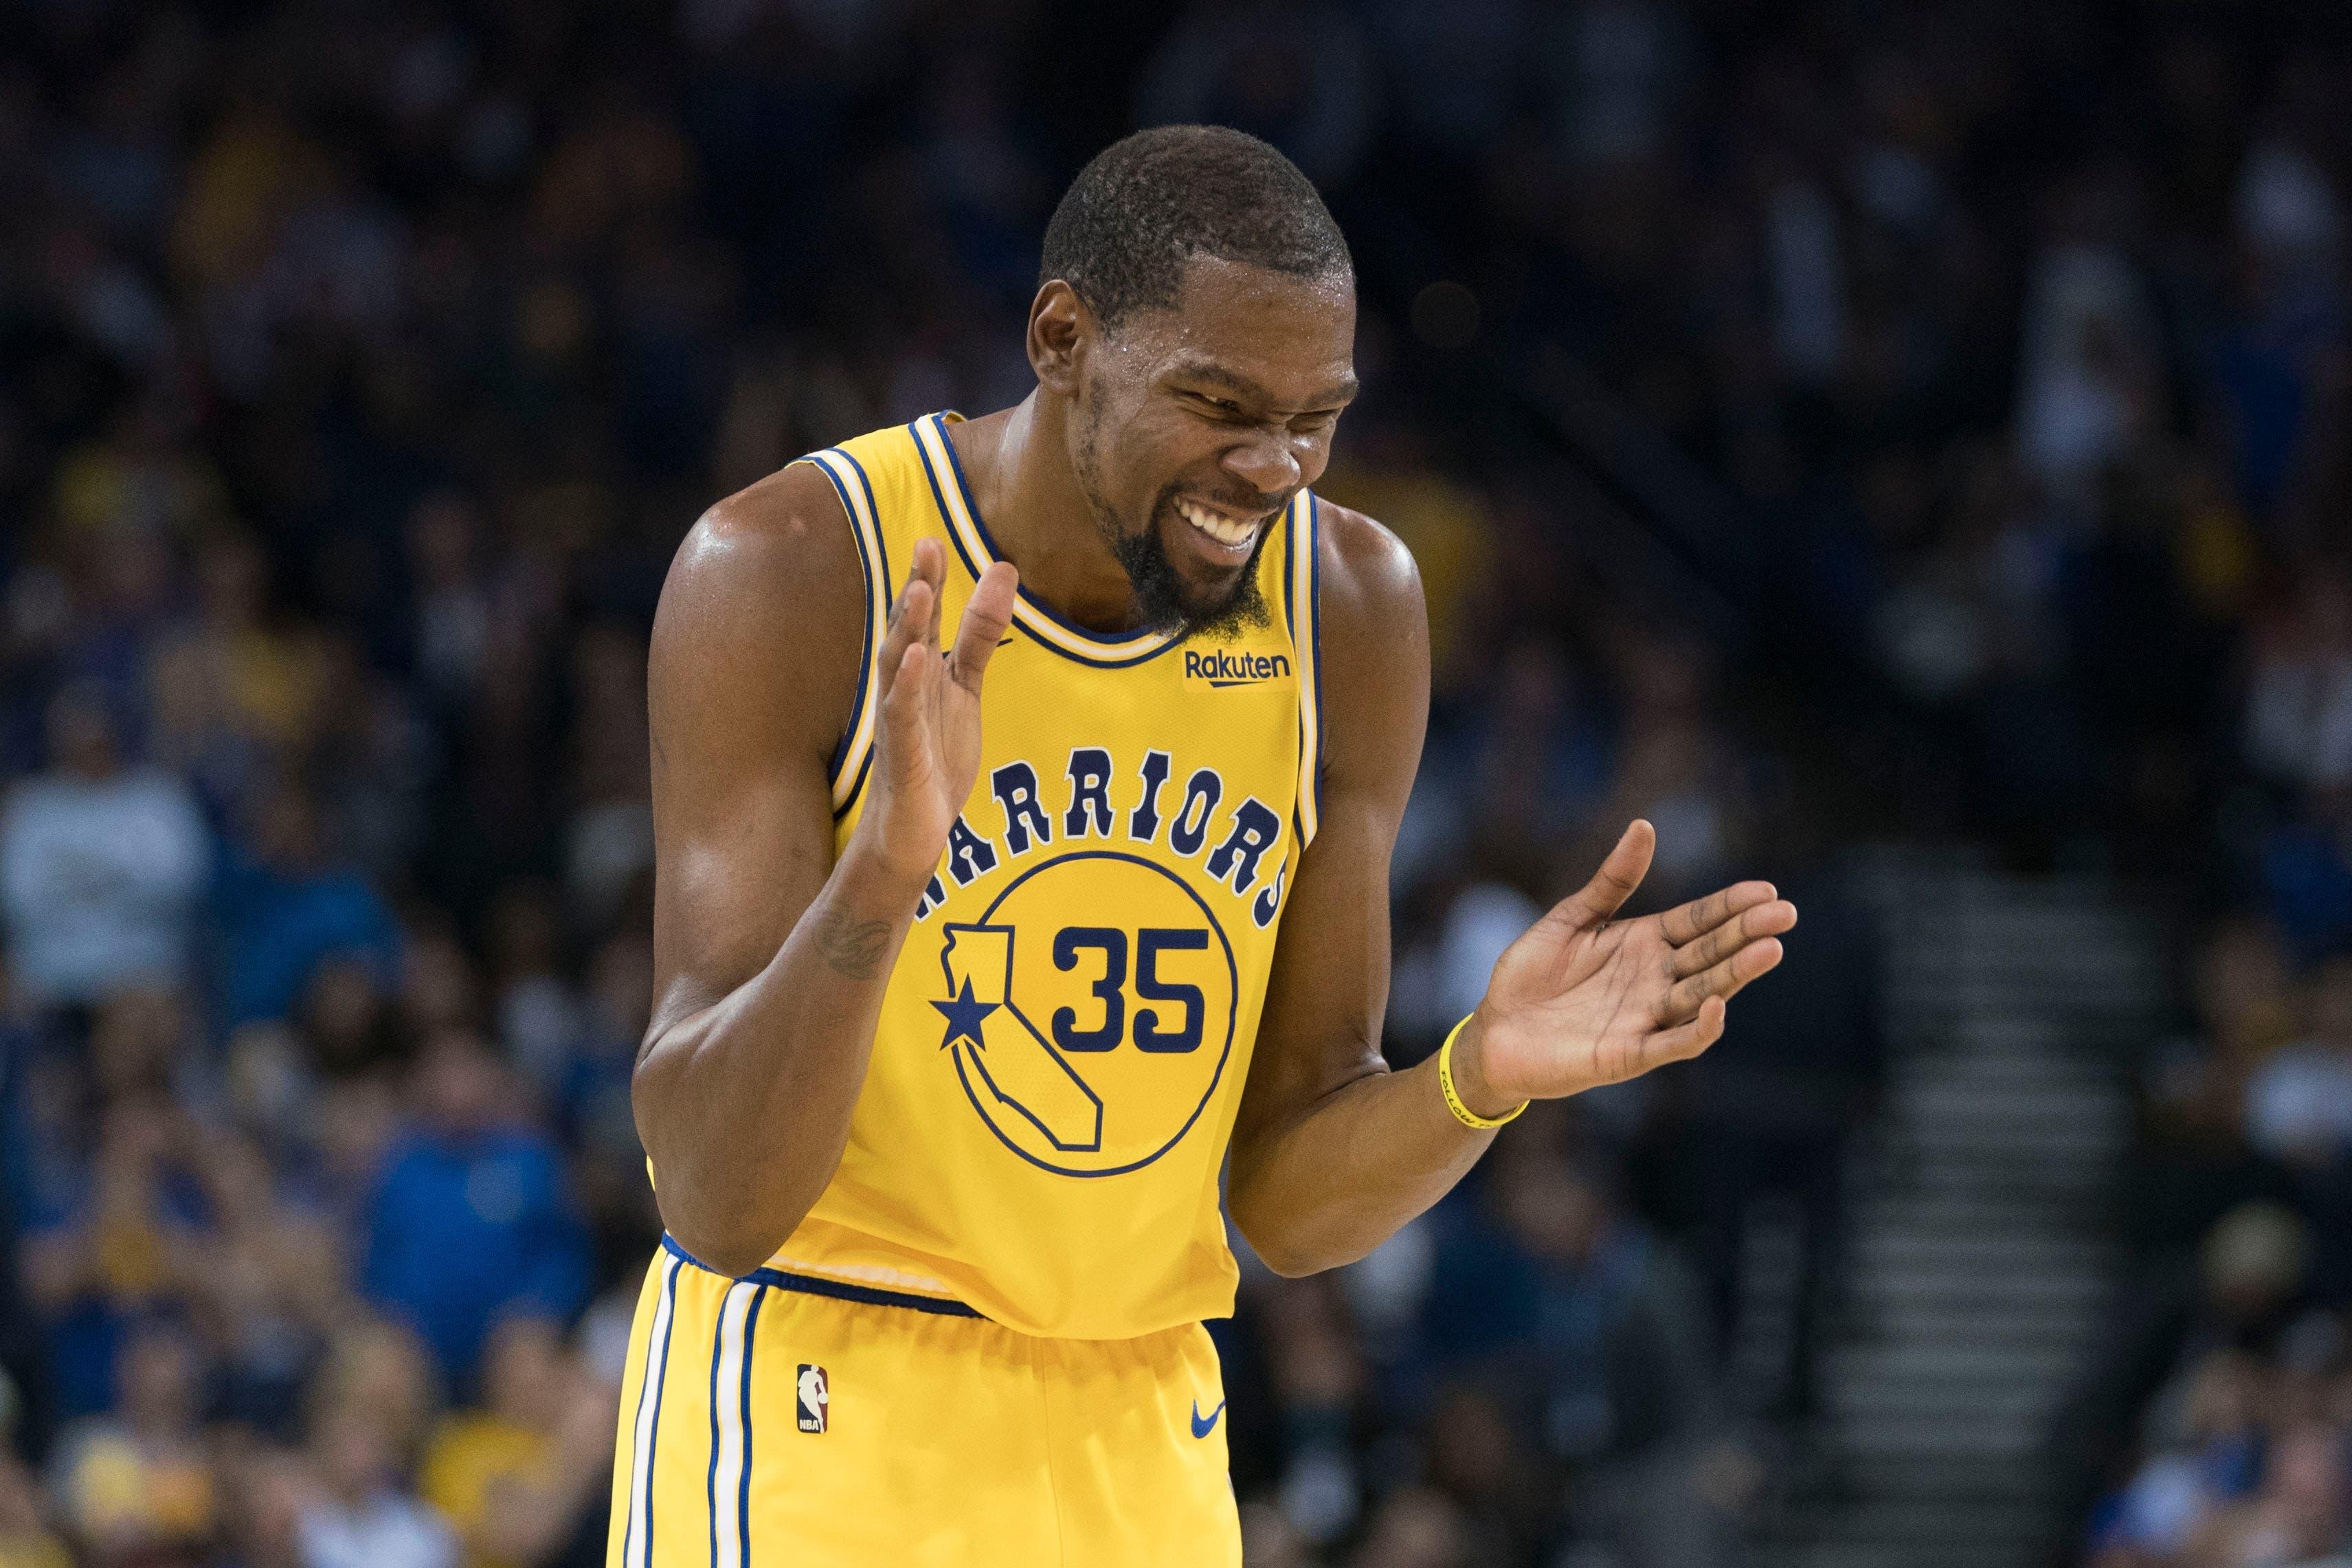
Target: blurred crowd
{"x":1983,"y":433}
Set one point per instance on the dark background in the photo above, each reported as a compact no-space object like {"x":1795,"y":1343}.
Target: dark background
{"x":1901,"y":449}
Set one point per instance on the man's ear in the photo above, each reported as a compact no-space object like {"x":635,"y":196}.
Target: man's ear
{"x":1061,"y":329}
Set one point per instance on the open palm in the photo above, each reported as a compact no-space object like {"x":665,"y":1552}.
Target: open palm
{"x":927,"y":745}
{"x":1584,"y":999}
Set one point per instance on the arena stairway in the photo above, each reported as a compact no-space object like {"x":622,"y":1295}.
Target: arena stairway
{"x":1979,"y":1267}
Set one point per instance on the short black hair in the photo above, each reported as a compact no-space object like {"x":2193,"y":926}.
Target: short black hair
{"x":1149,"y":204}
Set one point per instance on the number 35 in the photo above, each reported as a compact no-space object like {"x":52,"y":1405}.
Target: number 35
{"x":1149,"y":943}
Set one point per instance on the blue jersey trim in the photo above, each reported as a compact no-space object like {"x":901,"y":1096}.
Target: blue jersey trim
{"x":865,"y":766}
{"x":838,"y":1290}
{"x":877,"y":571}
{"x":866,"y":647}
{"x":940,"y":501}
{"x":1315,"y":629}
{"x":873,"y":510}
{"x":1029,"y":600}
{"x":744,"y":1485}
{"x":653,"y":1435}
{"x":1294,"y":519}
{"x":710,"y":1480}
{"x":988,"y":541}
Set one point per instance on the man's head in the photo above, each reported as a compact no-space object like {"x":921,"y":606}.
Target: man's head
{"x":1196,"y":313}
{"x":159,"y":1373}
{"x":459,"y":1084}
{"x":82,"y":733}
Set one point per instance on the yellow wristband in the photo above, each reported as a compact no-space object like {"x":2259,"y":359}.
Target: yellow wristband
{"x":1463,"y":1114}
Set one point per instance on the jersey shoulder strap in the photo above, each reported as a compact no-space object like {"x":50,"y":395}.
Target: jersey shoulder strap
{"x":1302,"y":540}
{"x":878,"y":478}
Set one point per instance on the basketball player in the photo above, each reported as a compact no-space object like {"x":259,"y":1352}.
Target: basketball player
{"x":1025,"y":788}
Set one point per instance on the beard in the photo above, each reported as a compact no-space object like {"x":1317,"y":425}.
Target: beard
{"x":1166,"y":601}
{"x":1169,"y":604}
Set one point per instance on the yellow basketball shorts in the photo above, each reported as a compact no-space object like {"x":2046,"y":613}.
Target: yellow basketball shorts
{"x":786,"y":1420}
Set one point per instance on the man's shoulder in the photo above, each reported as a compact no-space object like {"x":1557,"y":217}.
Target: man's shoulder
{"x":1366,"y":569}
{"x":1372,"y":625}
{"x":771,"y":569}
{"x":789,"y":525}
{"x":1372,"y":650}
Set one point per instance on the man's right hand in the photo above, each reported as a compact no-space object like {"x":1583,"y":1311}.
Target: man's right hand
{"x":927,"y":744}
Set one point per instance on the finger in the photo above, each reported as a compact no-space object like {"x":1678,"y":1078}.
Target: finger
{"x":908,"y":618}
{"x":930,"y":566}
{"x":1713,"y":947}
{"x":903,"y":708}
{"x":1722,"y":981}
{"x":986,"y":615}
{"x":1620,"y":874}
{"x":1688,"y":921}
{"x":1686,"y":1040}
{"x":931,"y":561}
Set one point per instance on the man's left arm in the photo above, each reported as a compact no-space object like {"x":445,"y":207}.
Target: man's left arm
{"x":1332,"y":1151}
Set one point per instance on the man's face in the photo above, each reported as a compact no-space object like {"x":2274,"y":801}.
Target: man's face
{"x":1195,"y":426}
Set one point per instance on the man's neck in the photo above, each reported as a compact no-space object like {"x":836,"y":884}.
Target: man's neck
{"x":1017,"y":460}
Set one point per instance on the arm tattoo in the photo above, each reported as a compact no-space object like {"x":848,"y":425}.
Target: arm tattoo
{"x":852,"y":947}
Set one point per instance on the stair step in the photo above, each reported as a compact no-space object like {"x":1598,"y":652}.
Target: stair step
{"x":1979,"y":1270}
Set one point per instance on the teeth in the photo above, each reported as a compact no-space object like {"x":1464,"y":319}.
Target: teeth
{"x":1217,"y":528}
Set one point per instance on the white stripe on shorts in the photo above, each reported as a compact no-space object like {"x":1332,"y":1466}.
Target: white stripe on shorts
{"x":637,"y":1545}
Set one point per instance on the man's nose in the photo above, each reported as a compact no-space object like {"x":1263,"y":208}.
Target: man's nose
{"x":1264,"y":463}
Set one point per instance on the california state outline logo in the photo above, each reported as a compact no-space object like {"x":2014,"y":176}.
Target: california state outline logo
{"x":1090,"y":1044}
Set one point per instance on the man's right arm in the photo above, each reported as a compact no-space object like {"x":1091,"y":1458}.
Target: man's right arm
{"x":770,"y":953}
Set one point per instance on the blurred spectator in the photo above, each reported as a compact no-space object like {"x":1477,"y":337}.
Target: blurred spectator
{"x":2089,"y":361}
{"x":1588,"y":1333}
{"x":231,"y":692}
{"x":348,"y":1024}
{"x":2194,"y":1163}
{"x":516,"y":1477}
{"x":2299,"y":1100}
{"x":264,"y":1491}
{"x":102,"y":864}
{"x":453,"y":610}
{"x":276,"y":1287}
{"x":137,"y":1487}
{"x":1414,"y":1528}
{"x":1319,"y":1378}
{"x":1268,"y":1540}
{"x":2299,"y":692}
{"x":1676,"y":766}
{"x":2169,"y":1349}
{"x":384,"y":1367}
{"x":287,"y":903}
{"x":609,"y":842}
{"x":131,"y":1241}
{"x":358,"y":1514}
{"x":1297,"y":73}
{"x":2301,"y":1513}
{"x":25,"y":1539}
{"x":472,"y":1219}
{"x":2207,"y":1463}
{"x":540,"y":1019}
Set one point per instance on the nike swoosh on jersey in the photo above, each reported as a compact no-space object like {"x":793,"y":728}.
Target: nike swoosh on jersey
{"x":1203,"y":1426}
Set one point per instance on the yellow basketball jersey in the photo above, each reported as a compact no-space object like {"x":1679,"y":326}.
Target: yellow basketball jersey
{"x":1067,"y":1032}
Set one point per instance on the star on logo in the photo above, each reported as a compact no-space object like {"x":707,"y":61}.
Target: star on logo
{"x":964,"y":1015}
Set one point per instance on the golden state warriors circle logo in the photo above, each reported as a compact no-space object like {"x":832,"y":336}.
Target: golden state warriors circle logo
{"x":1090,"y":1049}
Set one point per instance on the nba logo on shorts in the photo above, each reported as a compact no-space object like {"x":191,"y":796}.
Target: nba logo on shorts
{"x":812,"y":1397}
